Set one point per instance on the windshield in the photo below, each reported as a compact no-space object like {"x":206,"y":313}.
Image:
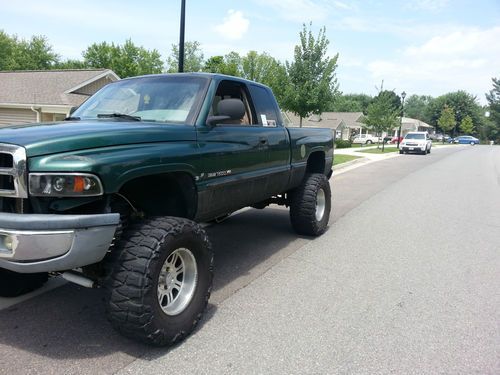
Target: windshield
{"x":171,"y":99}
{"x":414,"y":136}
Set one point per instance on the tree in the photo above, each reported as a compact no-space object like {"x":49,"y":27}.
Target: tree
{"x":382,"y":115}
{"x":467,"y":126}
{"x":193,"y":58}
{"x":7,"y":46}
{"x":391,"y":98}
{"x":350,"y":103}
{"x":71,"y":64}
{"x":33,"y":54}
{"x":416,"y":106}
{"x":491,"y":129}
{"x":312,"y":84}
{"x":126,"y":61}
{"x":463,"y":104}
{"x":228,"y":64}
{"x":447,"y":121}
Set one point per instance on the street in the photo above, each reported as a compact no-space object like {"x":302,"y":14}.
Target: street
{"x":405,"y":280}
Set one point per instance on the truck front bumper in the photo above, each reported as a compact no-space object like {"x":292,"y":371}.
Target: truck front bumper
{"x":43,"y":243}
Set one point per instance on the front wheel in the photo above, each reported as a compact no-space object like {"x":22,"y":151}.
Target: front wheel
{"x":368,"y":142}
{"x":310,"y":205}
{"x":160,"y":280}
{"x":13,"y":284}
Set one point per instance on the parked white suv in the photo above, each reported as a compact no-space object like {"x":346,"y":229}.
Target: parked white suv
{"x":416,"y":142}
{"x":365,"y":139}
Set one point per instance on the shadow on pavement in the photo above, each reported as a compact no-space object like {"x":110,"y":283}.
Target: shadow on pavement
{"x":69,"y":324}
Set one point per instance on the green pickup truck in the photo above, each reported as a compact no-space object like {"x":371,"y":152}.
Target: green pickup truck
{"x":116,"y":195}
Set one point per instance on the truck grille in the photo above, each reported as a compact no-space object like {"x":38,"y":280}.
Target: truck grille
{"x":13,"y":171}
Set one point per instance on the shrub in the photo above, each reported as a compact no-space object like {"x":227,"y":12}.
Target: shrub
{"x":340,"y":143}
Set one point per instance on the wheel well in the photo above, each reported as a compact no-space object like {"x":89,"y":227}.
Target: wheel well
{"x":168,"y":194}
{"x":316,"y":162}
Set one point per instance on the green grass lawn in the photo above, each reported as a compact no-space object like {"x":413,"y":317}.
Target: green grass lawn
{"x":379,"y":150}
{"x":339,"y":159}
{"x":357,"y":145}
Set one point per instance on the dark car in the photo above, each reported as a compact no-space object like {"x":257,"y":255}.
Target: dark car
{"x":439,"y":137}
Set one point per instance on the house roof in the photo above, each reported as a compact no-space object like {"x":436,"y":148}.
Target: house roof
{"x":411,"y":123}
{"x":49,"y":87}
{"x":331,"y":120}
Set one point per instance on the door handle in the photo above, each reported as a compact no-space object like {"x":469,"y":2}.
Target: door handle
{"x":263,"y":141}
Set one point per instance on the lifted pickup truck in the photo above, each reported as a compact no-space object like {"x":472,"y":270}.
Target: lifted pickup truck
{"x":113,"y":197}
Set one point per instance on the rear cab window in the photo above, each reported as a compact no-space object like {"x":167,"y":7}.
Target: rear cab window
{"x":265,"y":106}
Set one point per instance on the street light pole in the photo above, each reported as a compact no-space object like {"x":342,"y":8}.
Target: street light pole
{"x":403,"y":95}
{"x":181,"y":37}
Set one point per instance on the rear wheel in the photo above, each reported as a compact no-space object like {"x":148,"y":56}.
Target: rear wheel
{"x":368,"y":142}
{"x":13,"y":284}
{"x":310,"y":205}
{"x":160,"y":280}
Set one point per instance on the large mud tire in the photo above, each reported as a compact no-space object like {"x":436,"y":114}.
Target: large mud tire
{"x":310,"y":205}
{"x":160,"y":279}
{"x":13,"y":284}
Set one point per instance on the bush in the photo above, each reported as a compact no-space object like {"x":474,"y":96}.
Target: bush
{"x":340,"y":143}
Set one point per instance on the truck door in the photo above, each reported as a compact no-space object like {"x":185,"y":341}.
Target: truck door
{"x":234,"y":156}
{"x":277,"y":158}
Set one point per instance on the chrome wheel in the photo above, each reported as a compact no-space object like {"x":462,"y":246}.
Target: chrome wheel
{"x":320,"y":204}
{"x":177,"y":281}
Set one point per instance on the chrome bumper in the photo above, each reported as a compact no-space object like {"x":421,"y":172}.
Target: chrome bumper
{"x":43,"y":243}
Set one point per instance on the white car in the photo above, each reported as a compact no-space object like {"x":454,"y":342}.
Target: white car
{"x":416,"y":142}
{"x":365,"y":139}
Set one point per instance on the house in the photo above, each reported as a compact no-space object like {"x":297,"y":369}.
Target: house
{"x":348,"y":124}
{"x":47,"y":95}
{"x":413,"y":125}
{"x":345,"y":124}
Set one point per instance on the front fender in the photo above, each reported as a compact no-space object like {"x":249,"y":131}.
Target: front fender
{"x":119,"y":164}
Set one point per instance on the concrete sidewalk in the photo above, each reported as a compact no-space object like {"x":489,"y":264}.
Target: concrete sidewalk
{"x":365,"y":158}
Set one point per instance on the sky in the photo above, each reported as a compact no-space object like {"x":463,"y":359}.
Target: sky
{"x":423,"y":47}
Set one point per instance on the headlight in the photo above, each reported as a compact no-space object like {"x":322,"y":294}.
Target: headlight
{"x":64,"y":185}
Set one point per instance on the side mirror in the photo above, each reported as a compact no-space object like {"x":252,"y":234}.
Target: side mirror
{"x":72,"y":110}
{"x":228,"y":109}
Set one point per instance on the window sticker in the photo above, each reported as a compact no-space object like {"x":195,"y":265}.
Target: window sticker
{"x":264,"y":119}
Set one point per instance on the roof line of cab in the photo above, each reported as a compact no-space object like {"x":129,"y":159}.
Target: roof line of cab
{"x":214,"y":76}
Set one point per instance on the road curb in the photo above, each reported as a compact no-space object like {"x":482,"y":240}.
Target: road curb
{"x":349,"y":163}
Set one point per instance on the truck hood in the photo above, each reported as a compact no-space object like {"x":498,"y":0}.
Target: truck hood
{"x":50,"y":138}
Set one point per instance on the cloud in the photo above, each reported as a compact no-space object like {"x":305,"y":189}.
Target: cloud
{"x":427,"y":5}
{"x":464,"y":59}
{"x":299,"y":10}
{"x":342,"y":5}
{"x":235,"y":25}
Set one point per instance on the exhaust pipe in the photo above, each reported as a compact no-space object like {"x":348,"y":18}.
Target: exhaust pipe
{"x":78,"y":278}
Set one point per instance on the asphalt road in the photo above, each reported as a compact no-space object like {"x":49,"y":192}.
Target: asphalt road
{"x":406,"y":280}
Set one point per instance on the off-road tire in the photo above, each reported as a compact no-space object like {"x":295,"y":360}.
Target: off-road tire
{"x":132,"y":301}
{"x":304,"y":203}
{"x":13,"y":284}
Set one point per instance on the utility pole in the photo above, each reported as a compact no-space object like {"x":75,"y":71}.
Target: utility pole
{"x":403,"y":95}
{"x":181,"y":37}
